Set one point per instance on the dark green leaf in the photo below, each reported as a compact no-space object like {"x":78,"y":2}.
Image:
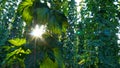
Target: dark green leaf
{"x":51,"y":55}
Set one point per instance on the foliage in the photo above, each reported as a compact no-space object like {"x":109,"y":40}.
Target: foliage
{"x":56,"y":24}
{"x":71,"y":42}
{"x":3,"y":29}
{"x":15,"y":53}
{"x":100,"y":49}
{"x":42,"y":14}
{"x":58,"y":63}
{"x":3,"y":34}
{"x":11,"y":25}
{"x":9,"y":21}
{"x":44,"y":53}
{"x":89,"y":42}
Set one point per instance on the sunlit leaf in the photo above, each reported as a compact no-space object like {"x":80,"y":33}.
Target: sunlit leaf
{"x":27,"y":15}
{"x":24,"y":9}
{"x":16,"y":52}
{"x":82,"y":61}
{"x":9,"y":55}
{"x":28,"y":51}
{"x":17,"y":41}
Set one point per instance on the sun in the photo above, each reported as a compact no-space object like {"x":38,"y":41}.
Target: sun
{"x":38,"y":31}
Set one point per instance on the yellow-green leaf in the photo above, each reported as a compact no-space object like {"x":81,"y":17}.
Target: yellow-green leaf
{"x":17,"y":41}
{"x":82,"y":61}
{"x":24,"y":9}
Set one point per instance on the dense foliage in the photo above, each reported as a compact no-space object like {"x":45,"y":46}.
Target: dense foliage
{"x":100,"y":40}
{"x":74,"y":38}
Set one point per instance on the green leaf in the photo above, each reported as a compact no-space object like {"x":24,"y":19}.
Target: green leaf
{"x":7,"y":48}
{"x":28,"y":51}
{"x":9,"y":55}
{"x":13,"y":54}
{"x":25,"y":9}
{"x":57,"y":22}
{"x":26,"y":15}
{"x":53,"y":25}
{"x":59,"y":58}
{"x":81,"y":62}
{"x":17,"y":41}
{"x":47,"y":63}
{"x":42,"y":15}
{"x":51,"y":55}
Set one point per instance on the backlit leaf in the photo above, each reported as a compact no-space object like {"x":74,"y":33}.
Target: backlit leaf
{"x":17,"y":41}
{"x":24,"y":9}
{"x":82,"y":61}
